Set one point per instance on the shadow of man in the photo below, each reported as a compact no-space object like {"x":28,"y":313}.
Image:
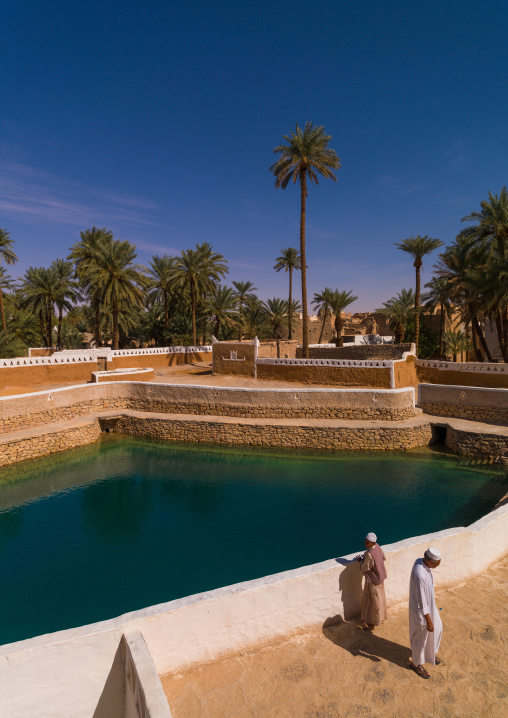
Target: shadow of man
{"x":350,"y":587}
{"x":364,"y":643}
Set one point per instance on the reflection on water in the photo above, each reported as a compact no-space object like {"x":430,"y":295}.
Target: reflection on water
{"x":126,"y":523}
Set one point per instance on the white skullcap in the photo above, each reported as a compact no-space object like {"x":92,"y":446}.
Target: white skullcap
{"x":433,"y":553}
{"x":371,"y":537}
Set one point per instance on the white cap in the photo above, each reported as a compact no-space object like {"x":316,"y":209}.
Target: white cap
{"x":371,"y":537}
{"x":433,"y":553}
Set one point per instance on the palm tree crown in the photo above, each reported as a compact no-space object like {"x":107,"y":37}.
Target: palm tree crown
{"x":338,"y":302}
{"x":418,"y":247}
{"x":7,"y":254}
{"x":306,"y":154}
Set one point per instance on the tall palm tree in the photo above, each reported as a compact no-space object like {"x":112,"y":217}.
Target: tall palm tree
{"x":439,"y":296}
{"x":82,"y":254}
{"x":289,"y":260}
{"x":67,"y":291}
{"x":160,"y":275}
{"x":244,"y":293}
{"x":275,"y":313}
{"x":222,"y":304}
{"x":253,"y":319}
{"x":491,"y":232}
{"x":198,"y":269}
{"x":398,"y":310}
{"x":418,"y":247}
{"x":322,"y":303}
{"x":304,"y":156}
{"x":39,"y":294}
{"x":117,"y":279}
{"x":7,"y":254}
{"x":338,"y":302}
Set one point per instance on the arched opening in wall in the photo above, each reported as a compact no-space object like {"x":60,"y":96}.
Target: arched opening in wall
{"x":438,"y":434}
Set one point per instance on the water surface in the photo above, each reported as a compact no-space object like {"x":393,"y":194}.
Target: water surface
{"x":126,"y":523}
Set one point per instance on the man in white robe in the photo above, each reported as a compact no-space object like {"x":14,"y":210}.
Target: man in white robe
{"x":425,"y":626}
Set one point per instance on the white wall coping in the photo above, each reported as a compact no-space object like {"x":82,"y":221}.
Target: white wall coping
{"x":483,"y":367}
{"x":376,"y":363}
{"x":39,"y":361}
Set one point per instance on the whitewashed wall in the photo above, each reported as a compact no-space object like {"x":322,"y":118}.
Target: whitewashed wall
{"x":79,"y":673}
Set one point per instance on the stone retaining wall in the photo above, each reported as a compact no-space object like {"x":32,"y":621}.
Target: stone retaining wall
{"x":41,"y":408}
{"x":477,"y":444}
{"x":464,"y":402}
{"x":298,"y":437}
{"x":50,"y":442}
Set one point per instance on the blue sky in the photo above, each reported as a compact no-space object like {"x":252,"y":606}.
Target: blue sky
{"x":158,"y":120}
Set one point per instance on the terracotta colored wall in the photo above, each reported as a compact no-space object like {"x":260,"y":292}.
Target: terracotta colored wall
{"x":328,"y":375}
{"x":429,"y":375}
{"x":127,"y":376}
{"x":33,"y":376}
{"x":245,"y":365}
{"x":405,"y":372}
{"x":361,"y":352}
{"x":286,"y":350}
{"x":142,"y":361}
{"x":41,"y":351}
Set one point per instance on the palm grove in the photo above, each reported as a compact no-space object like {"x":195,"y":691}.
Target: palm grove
{"x":99,"y":289}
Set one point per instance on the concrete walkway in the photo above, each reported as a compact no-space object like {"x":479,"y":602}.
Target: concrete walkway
{"x":337,"y":670}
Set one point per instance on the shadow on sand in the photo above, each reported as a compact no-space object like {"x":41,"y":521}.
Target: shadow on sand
{"x":344,"y":632}
{"x":364,"y":643}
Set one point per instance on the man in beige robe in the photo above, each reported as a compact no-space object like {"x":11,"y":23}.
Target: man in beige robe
{"x":372,"y":564}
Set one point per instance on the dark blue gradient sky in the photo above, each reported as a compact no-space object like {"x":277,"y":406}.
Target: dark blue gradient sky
{"x":158,"y":120}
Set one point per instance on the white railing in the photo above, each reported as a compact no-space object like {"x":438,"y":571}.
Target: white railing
{"x":34,"y":361}
{"x":484,"y":367}
{"x":379,"y":364}
{"x":160,"y":350}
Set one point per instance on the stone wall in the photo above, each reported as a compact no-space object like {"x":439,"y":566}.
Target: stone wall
{"x":49,"y":441}
{"x":479,"y":444}
{"x":66,"y":404}
{"x":463,"y":402}
{"x":297,"y":437}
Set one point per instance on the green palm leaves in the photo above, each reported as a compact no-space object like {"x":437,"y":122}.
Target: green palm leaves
{"x":306,"y":155}
{"x":398,"y":310}
{"x":418,"y":247}
{"x":8,"y":256}
{"x":338,"y":302}
{"x":197,"y":270}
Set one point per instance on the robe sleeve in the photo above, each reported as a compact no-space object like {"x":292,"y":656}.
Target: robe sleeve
{"x":419,"y":592}
{"x":367,"y":563}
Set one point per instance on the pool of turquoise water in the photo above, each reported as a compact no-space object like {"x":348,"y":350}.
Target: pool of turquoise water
{"x":125,"y":523}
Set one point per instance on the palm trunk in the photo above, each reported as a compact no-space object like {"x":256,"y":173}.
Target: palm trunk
{"x":97,"y":325}
{"x":290,"y":302}
{"x":476,"y":348}
{"x":322,"y":327}
{"x":417,"y":265}
{"x":48,"y":325}
{"x":305,"y":329}
{"x":193,"y":310}
{"x":59,"y":333}
{"x":166,"y":313}
{"x":339,"y":325}
{"x":240,"y":332}
{"x":116,"y":333}
{"x":477,"y":328}
{"x":441,"y":332}
{"x":500,"y":335}
{"x":2,"y":312}
{"x":217,"y":327}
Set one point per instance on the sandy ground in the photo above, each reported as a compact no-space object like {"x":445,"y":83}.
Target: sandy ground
{"x":337,"y":670}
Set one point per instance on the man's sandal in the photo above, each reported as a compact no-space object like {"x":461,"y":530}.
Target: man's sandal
{"x":437,"y":661}
{"x":419,"y":670}
{"x":365,"y":626}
